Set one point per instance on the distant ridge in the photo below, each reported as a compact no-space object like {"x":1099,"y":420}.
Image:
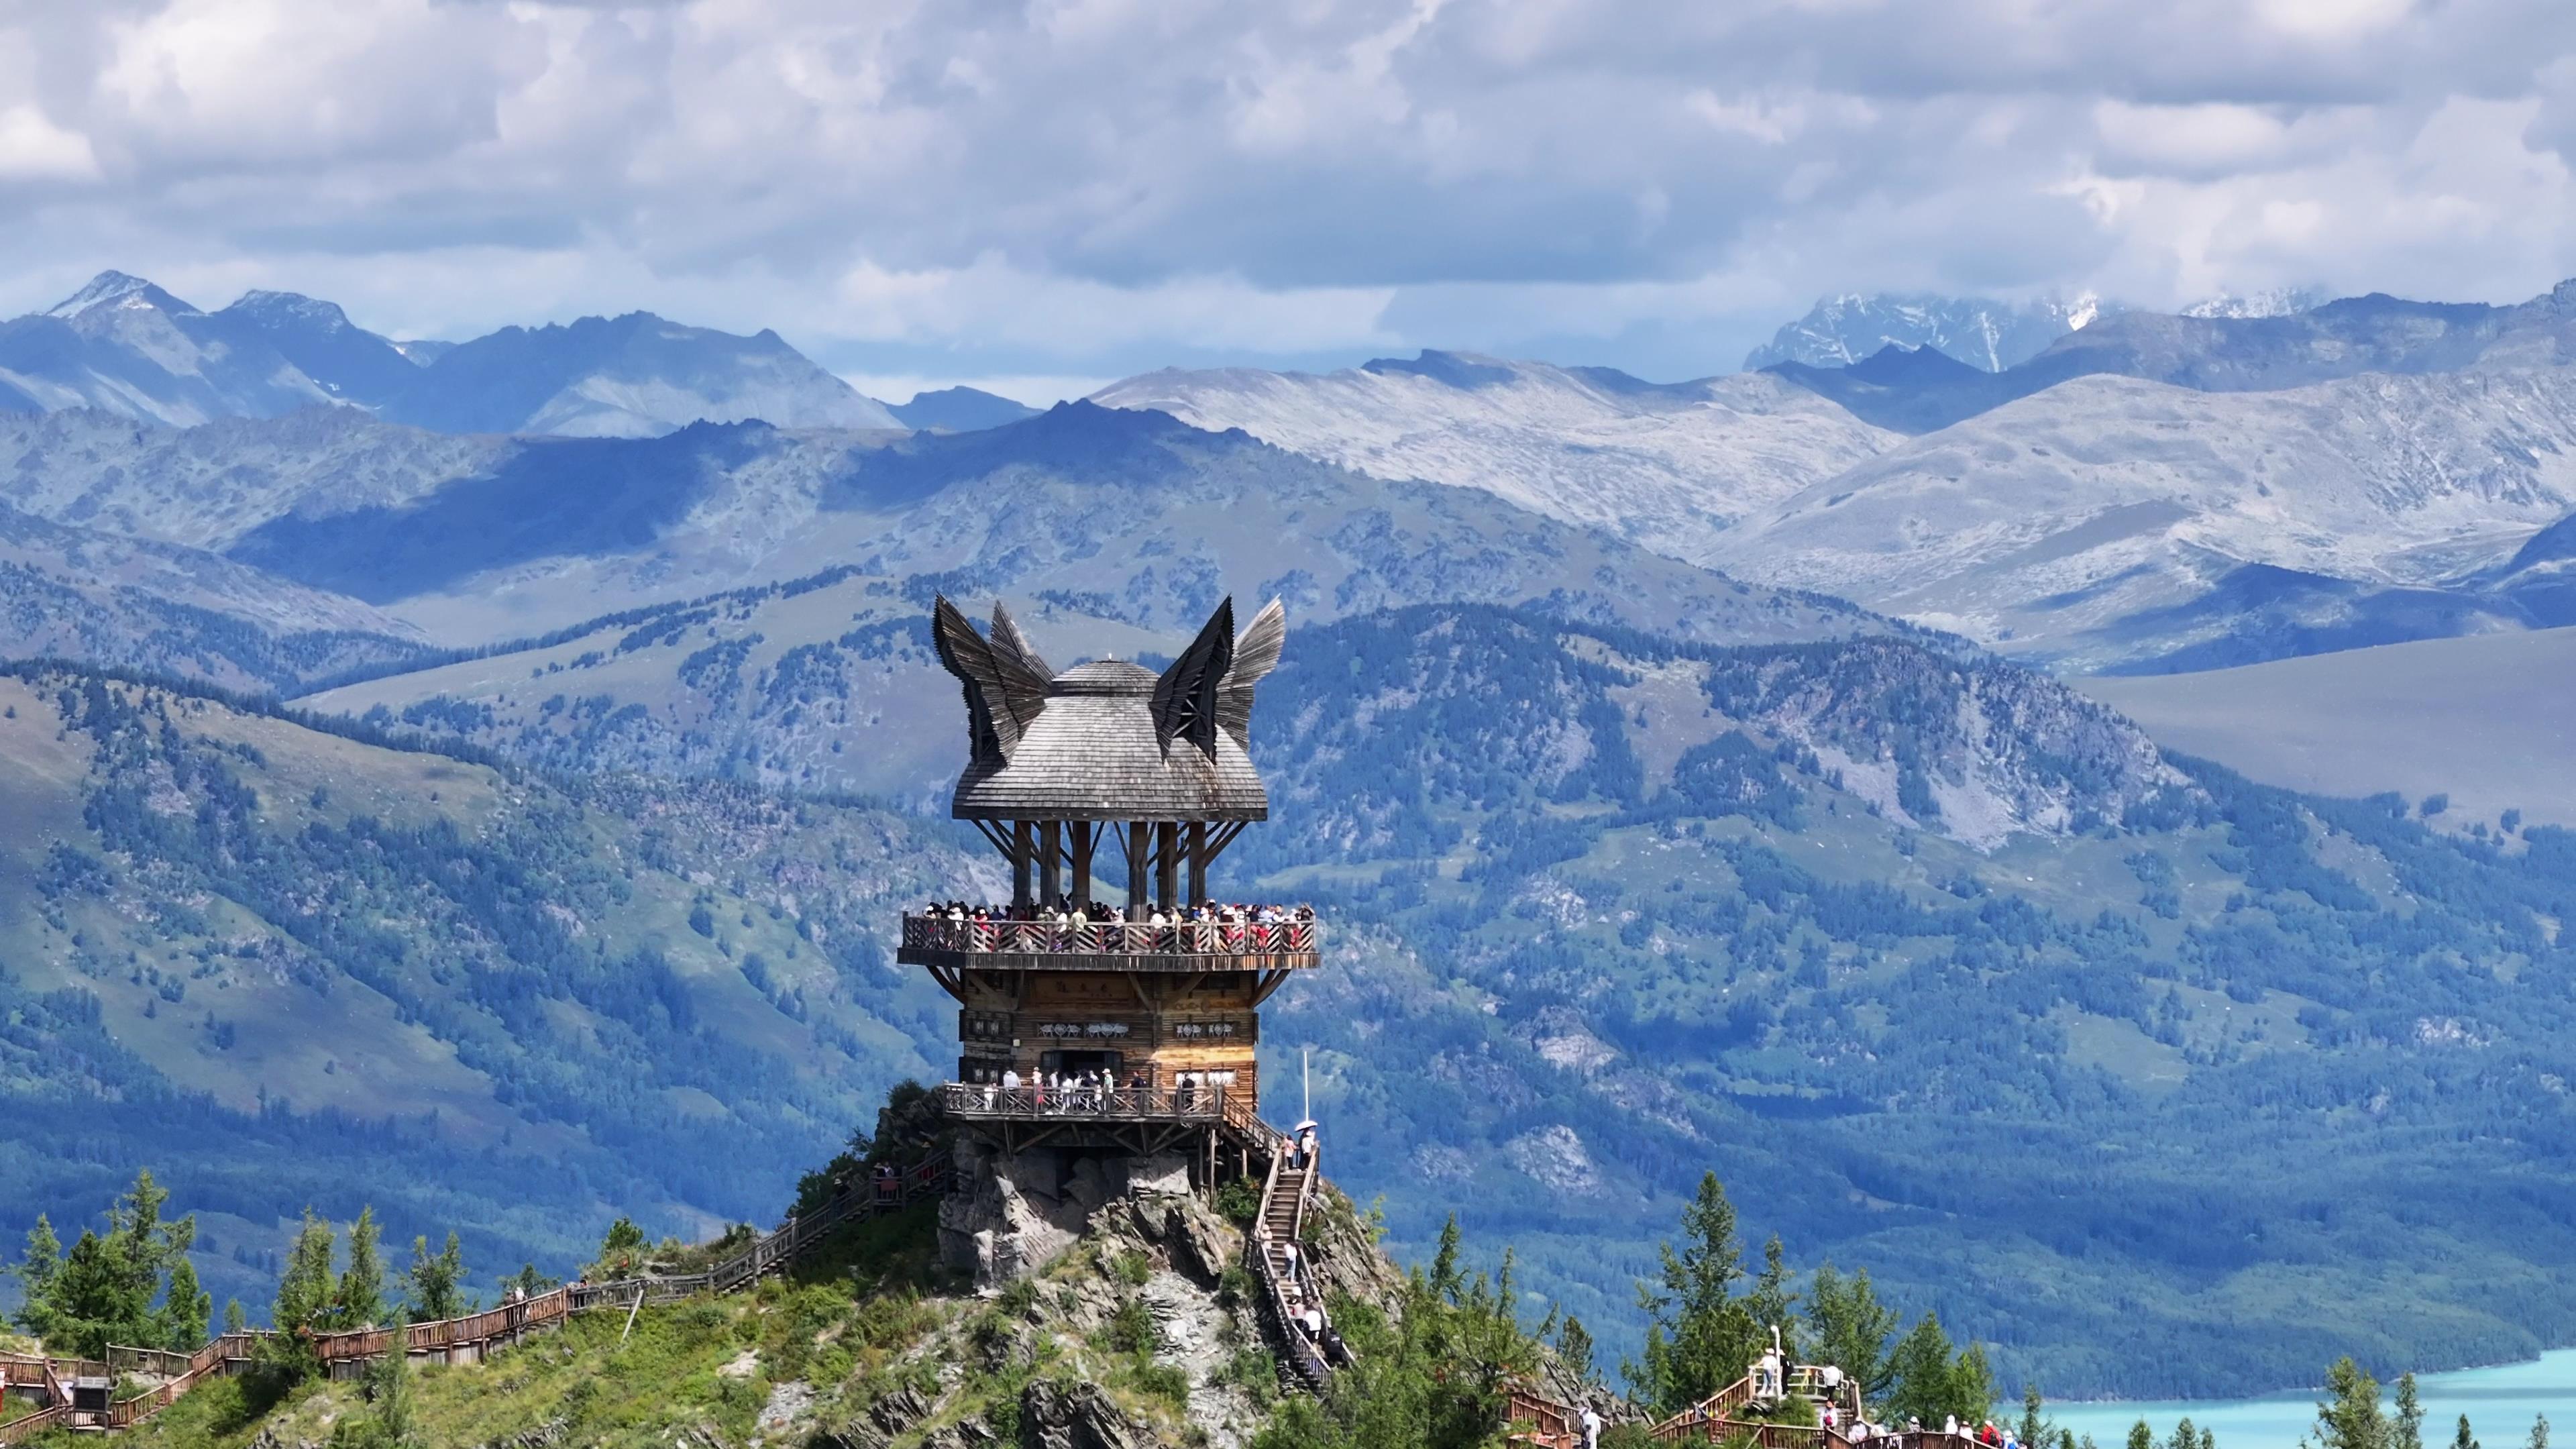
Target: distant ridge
{"x":959,"y":410}
{"x":122,"y":345}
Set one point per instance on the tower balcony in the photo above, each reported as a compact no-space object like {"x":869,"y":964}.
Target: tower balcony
{"x":1190,"y":946}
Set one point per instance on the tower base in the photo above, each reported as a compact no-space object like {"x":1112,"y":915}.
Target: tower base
{"x":1010,"y":1213}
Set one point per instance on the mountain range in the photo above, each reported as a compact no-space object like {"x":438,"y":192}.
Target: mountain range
{"x":2150,"y":492}
{"x":1668,"y":757}
{"x":124,"y":346}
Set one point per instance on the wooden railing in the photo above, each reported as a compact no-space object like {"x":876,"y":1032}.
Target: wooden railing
{"x":1118,"y":1104}
{"x":180,"y":1372}
{"x":28,"y":1426}
{"x":1097,"y":938}
{"x":1537,"y":1421}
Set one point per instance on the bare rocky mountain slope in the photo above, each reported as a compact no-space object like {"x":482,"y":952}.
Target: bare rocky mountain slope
{"x":1666,"y":467}
{"x":2116,"y":523}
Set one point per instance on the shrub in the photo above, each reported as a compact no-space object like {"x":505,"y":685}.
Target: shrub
{"x":1018,"y":1297}
{"x":1131,"y":1329}
{"x":1163,"y":1381}
{"x":1239,"y":1202}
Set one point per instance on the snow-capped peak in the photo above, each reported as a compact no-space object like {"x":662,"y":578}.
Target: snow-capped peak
{"x":2270,"y":302}
{"x":117,"y":289}
{"x":292,"y":307}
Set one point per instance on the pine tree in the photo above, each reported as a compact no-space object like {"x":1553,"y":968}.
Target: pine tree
{"x":2352,"y":1417}
{"x":1933,"y":1384}
{"x":362,"y":1287}
{"x":1574,"y":1348}
{"x":2034,"y":1428}
{"x":1772,"y":1302}
{"x":2463,"y":1439}
{"x":1852,"y":1329}
{"x":2140,"y":1436}
{"x":620,"y":1251}
{"x":36,"y":1274}
{"x":2409,"y":1429}
{"x":2539,"y":1432}
{"x":185,"y":1308}
{"x":435,"y":1283}
{"x":234,"y":1319}
{"x":1447,"y":1280}
{"x":304,"y":1291}
{"x":1700,"y":1337}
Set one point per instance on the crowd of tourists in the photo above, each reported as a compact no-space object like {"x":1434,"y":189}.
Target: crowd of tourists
{"x":1094,"y":1091}
{"x":1067,"y":912}
{"x":1098,"y":926}
{"x":1862,"y":1431}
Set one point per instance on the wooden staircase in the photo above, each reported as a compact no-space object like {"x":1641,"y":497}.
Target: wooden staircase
{"x":1287,"y":1192}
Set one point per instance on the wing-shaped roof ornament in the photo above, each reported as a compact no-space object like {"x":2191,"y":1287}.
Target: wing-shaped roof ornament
{"x":1185,"y":697}
{"x":1256,"y":653}
{"x":1005,"y":681}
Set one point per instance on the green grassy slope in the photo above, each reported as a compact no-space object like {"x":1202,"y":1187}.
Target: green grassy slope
{"x":866,"y":1343}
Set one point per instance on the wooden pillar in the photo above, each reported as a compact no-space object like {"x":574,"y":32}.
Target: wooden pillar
{"x":1024,"y":850}
{"x":1198,"y":860}
{"x":1167,"y":863}
{"x":1140,"y":850}
{"x":1050,"y":862}
{"x":1086,"y":837}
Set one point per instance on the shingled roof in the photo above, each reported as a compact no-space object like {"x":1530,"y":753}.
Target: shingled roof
{"x":1109,"y":740}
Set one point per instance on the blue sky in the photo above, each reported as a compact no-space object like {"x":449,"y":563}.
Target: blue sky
{"x":1054,"y":193}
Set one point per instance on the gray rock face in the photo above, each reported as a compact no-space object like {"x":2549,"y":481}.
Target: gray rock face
{"x":1076,"y":1416}
{"x":1012,"y":1214}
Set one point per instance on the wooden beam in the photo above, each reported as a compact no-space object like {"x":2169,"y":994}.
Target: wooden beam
{"x":1024,"y":851}
{"x":1086,"y":839}
{"x":1198,"y":853}
{"x":1050,"y":862}
{"x":1167,"y":863}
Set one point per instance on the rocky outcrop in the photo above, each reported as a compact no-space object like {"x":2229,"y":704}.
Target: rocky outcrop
{"x":1011,"y":1214}
{"x":1056,"y":1415}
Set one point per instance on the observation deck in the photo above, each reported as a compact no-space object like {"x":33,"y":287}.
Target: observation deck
{"x":1191,"y":946}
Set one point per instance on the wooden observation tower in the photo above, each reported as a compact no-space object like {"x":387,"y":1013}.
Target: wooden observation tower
{"x":1149,"y":1000}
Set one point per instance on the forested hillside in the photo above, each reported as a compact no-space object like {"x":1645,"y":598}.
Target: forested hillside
{"x":1946,"y":968}
{"x":2185,"y":1069}
{"x":283,"y":966}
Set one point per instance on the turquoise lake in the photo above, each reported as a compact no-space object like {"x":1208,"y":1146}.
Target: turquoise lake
{"x":2500,"y":1403}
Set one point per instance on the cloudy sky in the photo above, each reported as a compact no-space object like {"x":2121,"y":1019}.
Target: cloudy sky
{"x":1047,"y":193}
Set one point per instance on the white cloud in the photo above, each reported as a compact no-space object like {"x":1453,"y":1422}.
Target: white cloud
{"x":1085,"y":185}
{"x":33,"y":148}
